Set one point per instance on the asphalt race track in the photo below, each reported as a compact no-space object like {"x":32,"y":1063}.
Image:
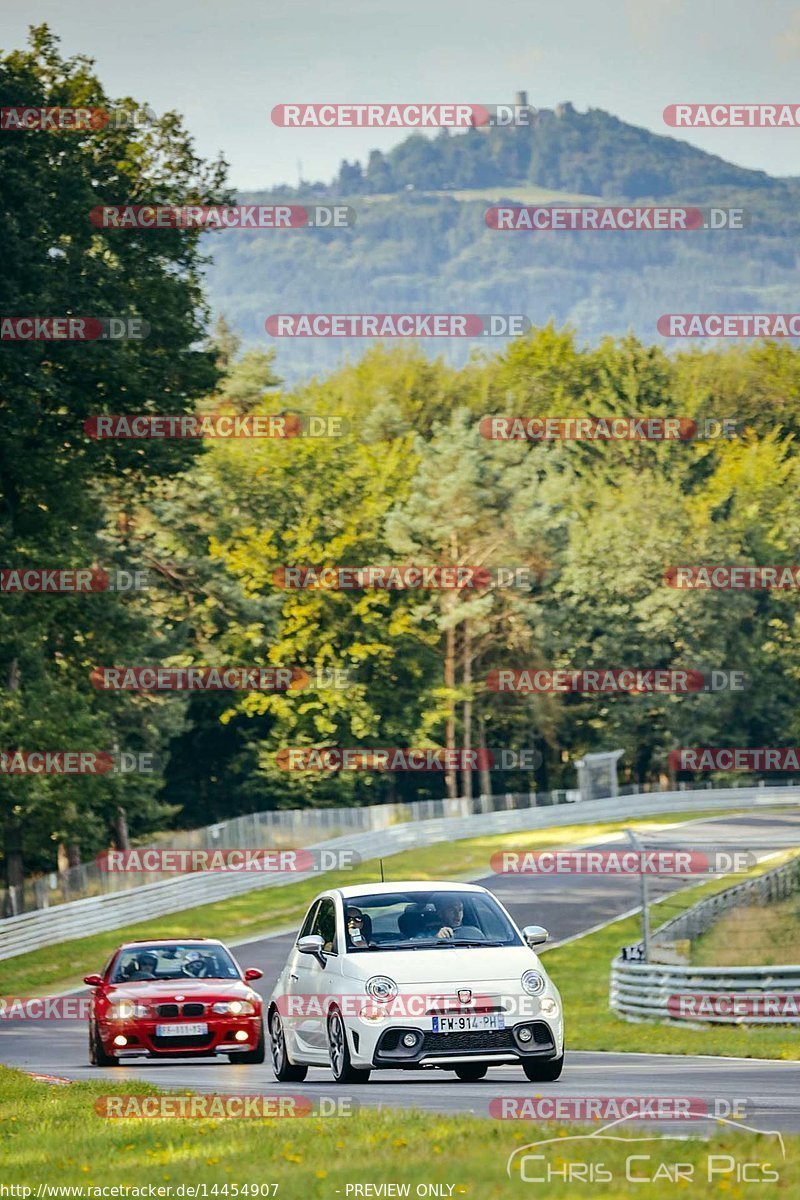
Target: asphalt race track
{"x":566,"y":907}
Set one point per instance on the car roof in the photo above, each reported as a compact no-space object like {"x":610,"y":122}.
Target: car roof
{"x":176,"y":941}
{"x":406,"y":885}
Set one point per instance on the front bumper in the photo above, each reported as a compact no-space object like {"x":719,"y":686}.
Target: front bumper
{"x":493,"y":1045}
{"x":141,"y":1038}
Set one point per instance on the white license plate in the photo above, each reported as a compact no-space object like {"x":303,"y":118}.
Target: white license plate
{"x":181,"y":1029}
{"x":468,"y":1024}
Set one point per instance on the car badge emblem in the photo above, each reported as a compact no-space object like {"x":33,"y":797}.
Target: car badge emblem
{"x":464,"y":995}
{"x":180,"y":997}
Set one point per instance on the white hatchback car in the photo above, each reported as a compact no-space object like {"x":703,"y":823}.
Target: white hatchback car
{"x":411,"y":975}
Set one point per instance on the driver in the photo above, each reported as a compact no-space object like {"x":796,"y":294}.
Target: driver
{"x":143,"y":967}
{"x":449,"y":911}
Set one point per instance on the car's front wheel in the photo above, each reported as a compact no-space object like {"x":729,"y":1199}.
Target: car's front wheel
{"x":252,"y":1056}
{"x":341,"y":1065}
{"x":471,"y":1072}
{"x":543,"y":1072}
{"x":285,"y":1071}
{"x":97,"y":1055}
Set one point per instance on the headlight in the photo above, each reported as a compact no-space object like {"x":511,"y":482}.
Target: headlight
{"x":382,"y":988}
{"x":123,"y":1010}
{"x":234,"y":1008}
{"x":533,"y":983}
{"x":548,"y":1007}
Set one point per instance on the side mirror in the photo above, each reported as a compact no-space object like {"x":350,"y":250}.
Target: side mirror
{"x":253,"y":973}
{"x":534,"y":935}
{"x":93,"y":980}
{"x":312,"y":944}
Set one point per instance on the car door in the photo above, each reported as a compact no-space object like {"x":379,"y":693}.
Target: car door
{"x":313,"y":984}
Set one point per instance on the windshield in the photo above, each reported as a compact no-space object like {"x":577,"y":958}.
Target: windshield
{"x":417,"y":920}
{"x":179,"y":960}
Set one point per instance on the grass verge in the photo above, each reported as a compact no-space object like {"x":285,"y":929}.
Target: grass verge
{"x":53,"y":1135}
{"x":267,"y":909}
{"x":753,"y":935}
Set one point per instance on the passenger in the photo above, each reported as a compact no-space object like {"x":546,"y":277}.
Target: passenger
{"x":357,"y":929}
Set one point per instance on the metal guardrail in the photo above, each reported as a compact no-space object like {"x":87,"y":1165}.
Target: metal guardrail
{"x":274,"y":829}
{"x":670,"y":992}
{"x":66,"y":922}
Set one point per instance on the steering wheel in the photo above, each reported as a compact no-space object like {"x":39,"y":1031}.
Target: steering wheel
{"x":197,"y":968}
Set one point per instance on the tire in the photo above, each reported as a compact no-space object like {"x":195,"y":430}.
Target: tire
{"x":252,"y":1056}
{"x":341,"y":1065}
{"x":97,"y":1055}
{"x":285,"y":1071}
{"x":471,"y":1072}
{"x":543,"y":1072}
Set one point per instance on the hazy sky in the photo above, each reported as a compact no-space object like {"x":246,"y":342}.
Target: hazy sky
{"x":225,"y":63}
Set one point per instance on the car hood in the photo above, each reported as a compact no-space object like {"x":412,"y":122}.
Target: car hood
{"x":158,"y":990}
{"x":458,"y":966}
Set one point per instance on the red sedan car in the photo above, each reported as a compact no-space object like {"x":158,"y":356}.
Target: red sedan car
{"x":174,"y":999}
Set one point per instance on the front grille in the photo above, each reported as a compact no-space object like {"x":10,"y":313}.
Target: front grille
{"x":452,"y":1043}
{"x":186,"y":1010}
{"x":182,"y":1043}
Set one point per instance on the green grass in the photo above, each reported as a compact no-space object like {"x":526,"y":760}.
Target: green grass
{"x":266,"y":909}
{"x":581,"y":972}
{"x":53,"y":1135}
{"x":752,"y":935}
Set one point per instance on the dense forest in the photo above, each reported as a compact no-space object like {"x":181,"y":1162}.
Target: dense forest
{"x":411,"y":479}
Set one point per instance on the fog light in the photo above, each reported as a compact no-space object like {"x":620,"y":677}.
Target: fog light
{"x":241,"y":1035}
{"x":119,"y":1040}
{"x":409,"y":1039}
{"x":524,"y":1035}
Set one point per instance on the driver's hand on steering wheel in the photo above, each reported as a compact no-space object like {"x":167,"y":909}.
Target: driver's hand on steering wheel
{"x":445,"y":932}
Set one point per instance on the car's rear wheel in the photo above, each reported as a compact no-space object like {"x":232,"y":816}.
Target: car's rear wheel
{"x":543,"y":1072}
{"x":97,"y":1055}
{"x":285,"y":1071}
{"x":471,"y":1072}
{"x":341,"y":1065}
{"x":252,"y":1056}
